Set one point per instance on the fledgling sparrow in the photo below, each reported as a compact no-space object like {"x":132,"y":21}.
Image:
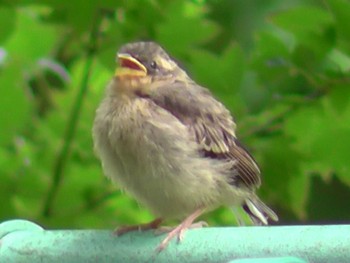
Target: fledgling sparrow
{"x":170,"y":144}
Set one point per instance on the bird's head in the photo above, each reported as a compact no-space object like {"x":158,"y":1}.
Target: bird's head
{"x":145,"y":60}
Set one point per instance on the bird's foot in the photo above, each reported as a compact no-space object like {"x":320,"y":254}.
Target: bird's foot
{"x":141,"y":227}
{"x":180,"y":230}
{"x":167,"y":229}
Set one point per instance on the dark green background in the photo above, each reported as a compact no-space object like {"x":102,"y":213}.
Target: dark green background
{"x":281,"y":67}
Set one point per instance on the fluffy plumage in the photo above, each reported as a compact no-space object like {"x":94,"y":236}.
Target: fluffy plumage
{"x":170,"y":144}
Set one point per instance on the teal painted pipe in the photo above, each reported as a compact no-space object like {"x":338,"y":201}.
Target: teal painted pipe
{"x":269,"y":260}
{"x":23,"y":241}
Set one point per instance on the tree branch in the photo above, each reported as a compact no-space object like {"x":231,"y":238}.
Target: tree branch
{"x":61,"y":161}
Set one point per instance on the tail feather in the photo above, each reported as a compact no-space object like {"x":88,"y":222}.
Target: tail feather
{"x":258,"y":212}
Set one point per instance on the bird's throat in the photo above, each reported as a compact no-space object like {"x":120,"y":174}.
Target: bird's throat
{"x":131,"y":86}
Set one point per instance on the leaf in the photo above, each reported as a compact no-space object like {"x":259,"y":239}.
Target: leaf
{"x":311,"y":26}
{"x":341,"y":12}
{"x":271,"y":62}
{"x":299,"y":188}
{"x":77,"y":15}
{"x":329,"y":201}
{"x":339,"y":99}
{"x":302,"y":20}
{"x":14,"y":104}
{"x":337,"y":61}
{"x":282,"y":177}
{"x":7,"y":22}
{"x":271,"y":57}
{"x":31,"y":40}
{"x":222,"y":74}
{"x":322,"y":133}
{"x":184,"y":28}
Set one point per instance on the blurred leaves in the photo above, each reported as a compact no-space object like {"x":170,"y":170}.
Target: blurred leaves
{"x":341,"y":11}
{"x":281,"y":67}
{"x":14,"y":116}
{"x":224,"y":72}
{"x":185,"y":27}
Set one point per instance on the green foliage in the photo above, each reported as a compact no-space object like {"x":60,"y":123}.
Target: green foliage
{"x":281,"y":67}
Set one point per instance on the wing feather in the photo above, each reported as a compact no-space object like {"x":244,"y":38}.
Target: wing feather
{"x":211,"y":125}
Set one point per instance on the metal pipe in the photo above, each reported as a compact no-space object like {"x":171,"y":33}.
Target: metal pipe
{"x":23,"y":241}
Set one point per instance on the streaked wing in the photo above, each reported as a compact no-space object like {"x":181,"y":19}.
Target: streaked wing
{"x":211,"y":125}
{"x":220,"y":142}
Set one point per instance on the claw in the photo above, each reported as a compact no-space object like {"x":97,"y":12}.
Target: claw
{"x":142,"y":227}
{"x":180,"y":230}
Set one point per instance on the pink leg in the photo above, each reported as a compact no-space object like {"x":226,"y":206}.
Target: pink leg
{"x":179,"y":231}
{"x":142,"y":227}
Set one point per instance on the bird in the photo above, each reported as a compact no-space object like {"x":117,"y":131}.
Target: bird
{"x":170,"y":144}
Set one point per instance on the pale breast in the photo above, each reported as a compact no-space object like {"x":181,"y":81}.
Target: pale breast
{"x":150,"y":154}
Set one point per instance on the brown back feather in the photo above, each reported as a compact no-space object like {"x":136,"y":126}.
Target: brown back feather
{"x":211,"y":125}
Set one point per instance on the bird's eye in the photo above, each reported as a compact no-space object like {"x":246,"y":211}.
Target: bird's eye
{"x":153,"y":65}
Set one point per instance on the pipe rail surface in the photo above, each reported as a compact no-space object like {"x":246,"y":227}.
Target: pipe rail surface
{"x":24,"y":241}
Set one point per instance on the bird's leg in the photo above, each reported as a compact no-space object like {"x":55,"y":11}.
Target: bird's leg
{"x":166,"y":229}
{"x":179,"y":231}
{"x":141,"y":227}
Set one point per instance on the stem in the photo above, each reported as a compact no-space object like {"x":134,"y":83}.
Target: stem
{"x":61,"y":161}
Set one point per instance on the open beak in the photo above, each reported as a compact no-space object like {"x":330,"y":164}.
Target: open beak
{"x":129,"y":66}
